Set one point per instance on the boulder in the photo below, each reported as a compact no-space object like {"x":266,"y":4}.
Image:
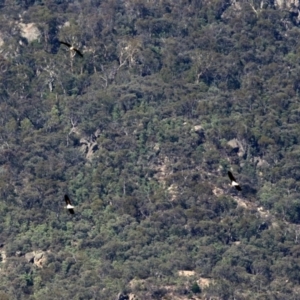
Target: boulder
{"x":260,"y":163}
{"x":122,"y":296}
{"x":186,"y":273}
{"x":29,"y":256}
{"x":40,"y":259}
{"x":237,"y":146}
{"x":29,"y":31}
{"x":2,"y":256}
{"x":198,"y":128}
{"x":36,"y":257}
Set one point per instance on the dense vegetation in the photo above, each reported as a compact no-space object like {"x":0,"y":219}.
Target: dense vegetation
{"x":137,"y":134}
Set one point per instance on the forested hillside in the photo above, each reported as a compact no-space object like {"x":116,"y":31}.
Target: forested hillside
{"x":140,"y":133}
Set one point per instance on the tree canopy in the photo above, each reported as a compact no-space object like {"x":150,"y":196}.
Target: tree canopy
{"x":140,"y":133}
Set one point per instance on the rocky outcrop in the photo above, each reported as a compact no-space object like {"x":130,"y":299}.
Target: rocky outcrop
{"x":237,"y":146}
{"x":89,"y":145}
{"x":200,"y":131}
{"x":1,"y":40}
{"x":36,"y":257}
{"x":236,"y":7}
{"x":260,"y":163}
{"x":173,"y":191}
{"x":204,"y":282}
{"x":2,"y":256}
{"x":29,"y":257}
{"x":282,"y":4}
{"x":29,"y":31}
{"x":198,"y":128}
{"x":125,"y":296}
{"x":186,"y":273}
{"x":122,"y":297}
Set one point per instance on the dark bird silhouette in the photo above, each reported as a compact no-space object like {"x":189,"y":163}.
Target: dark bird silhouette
{"x":233,"y":181}
{"x":70,"y":208}
{"x":72,"y":48}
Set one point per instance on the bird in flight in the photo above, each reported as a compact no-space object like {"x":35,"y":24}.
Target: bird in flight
{"x":70,"y":208}
{"x":72,"y":48}
{"x":233,"y":181}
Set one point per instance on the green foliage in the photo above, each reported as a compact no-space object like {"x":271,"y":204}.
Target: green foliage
{"x":195,"y":288}
{"x":137,"y":133}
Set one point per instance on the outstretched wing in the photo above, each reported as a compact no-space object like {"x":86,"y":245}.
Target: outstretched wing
{"x":231,"y":177}
{"x":78,"y":52}
{"x":67,"y":44}
{"x":233,"y":181}
{"x":67,"y":199}
{"x":238,"y":187}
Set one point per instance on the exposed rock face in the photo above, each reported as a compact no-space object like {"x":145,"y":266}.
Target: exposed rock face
{"x":89,"y":145}
{"x":237,"y":7}
{"x":122,"y":297}
{"x":237,"y":146}
{"x":126,"y":297}
{"x":284,"y":3}
{"x":186,"y":273}
{"x":134,"y":283}
{"x":173,"y":191}
{"x":29,"y":31}
{"x":29,"y":256}
{"x":162,"y":170}
{"x":36,"y":257}
{"x":1,"y":40}
{"x":218,"y":192}
{"x":233,"y":144}
{"x":2,"y":256}
{"x":198,"y":128}
{"x":204,"y":282}
{"x":156,"y":148}
{"x":200,"y":131}
{"x":260,"y":162}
